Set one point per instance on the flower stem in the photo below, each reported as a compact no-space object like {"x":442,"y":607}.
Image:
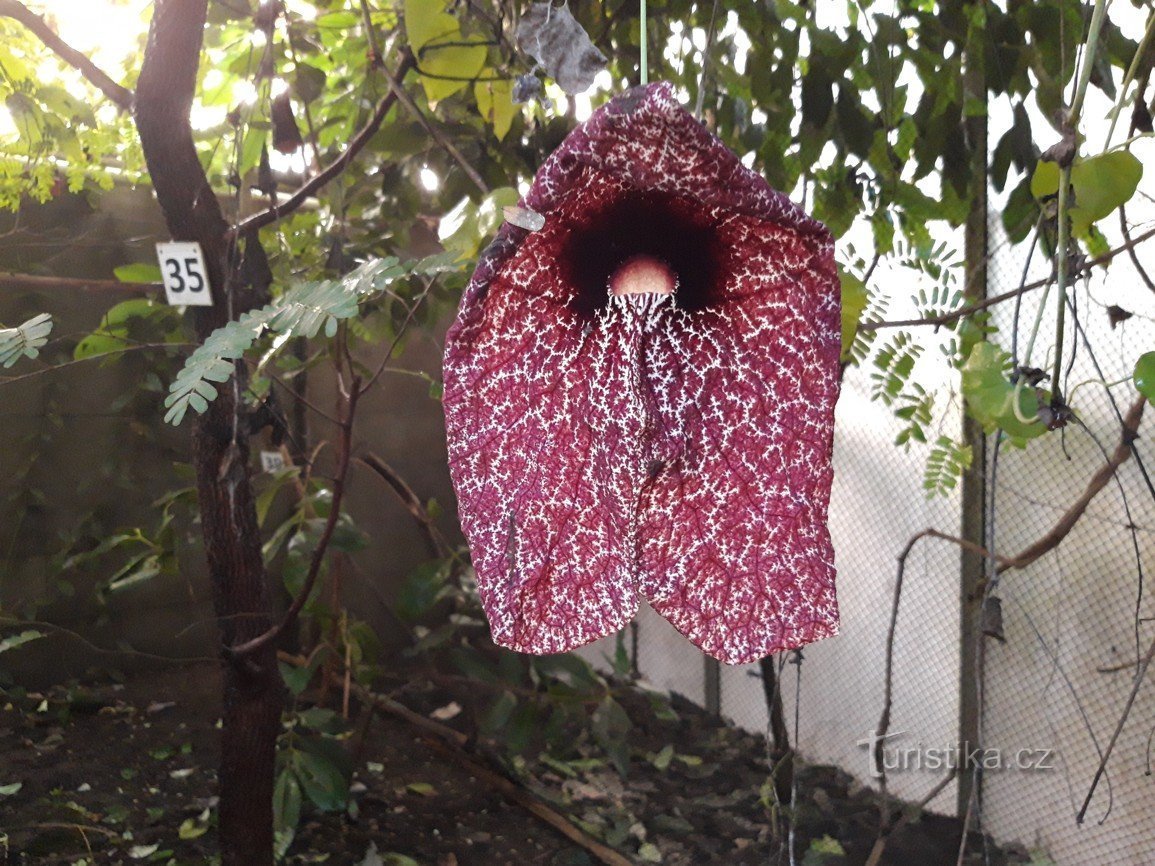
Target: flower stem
{"x":643,"y":33}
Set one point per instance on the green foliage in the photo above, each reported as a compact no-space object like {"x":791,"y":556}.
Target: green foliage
{"x":854,"y":301}
{"x":129,"y":323}
{"x":495,"y":102}
{"x":16,"y":640}
{"x":301,"y":311}
{"x":313,"y":767}
{"x":917,"y":410}
{"x":610,"y":727}
{"x":825,"y":851}
{"x":24,"y":341}
{"x":995,"y":401}
{"x":1101,"y":184}
{"x":1144,"y":375}
{"x":894,"y":364}
{"x":945,"y":465}
{"x":448,"y":60}
{"x":464,"y":228}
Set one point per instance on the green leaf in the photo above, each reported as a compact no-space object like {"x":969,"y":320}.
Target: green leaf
{"x":437,"y":42}
{"x":495,"y":102}
{"x":192,"y":828}
{"x":854,"y":299}
{"x":308,"y":82}
{"x":824,"y":852}
{"x":113,"y":333}
{"x":1100,"y":185}
{"x":648,"y":853}
{"x":661,"y":760}
{"x":15,"y":640}
{"x":610,"y":727}
{"x":491,"y":212}
{"x":497,"y":716}
{"x":1144,"y":375}
{"x":323,"y":781}
{"x":287,"y":801}
{"x":138,"y":272}
{"x":324,"y":720}
{"x":140,"y":569}
{"x":10,"y":789}
{"x":24,"y":341}
{"x":458,"y":231}
{"x":991,"y":398}
{"x":297,"y":678}
{"x":422,"y":589}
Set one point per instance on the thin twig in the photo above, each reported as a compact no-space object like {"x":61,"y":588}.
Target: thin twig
{"x":11,"y":622}
{"x":27,"y":281}
{"x":436,"y":134}
{"x":433,"y":540}
{"x":333,"y":169}
{"x":344,"y":452}
{"x":699,"y":102}
{"x":1098,"y":481}
{"x":1144,"y":664}
{"x":456,"y":742}
{"x":388,"y":356}
{"x":961,"y":312}
{"x":1131,"y":249}
{"x":121,"y":96}
{"x":52,"y":368}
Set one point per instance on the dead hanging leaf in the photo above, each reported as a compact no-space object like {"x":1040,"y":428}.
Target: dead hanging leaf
{"x":1116,"y":315}
{"x":992,"y":619}
{"x":525,"y":88}
{"x":266,"y":182}
{"x":553,"y":37}
{"x":286,"y":134}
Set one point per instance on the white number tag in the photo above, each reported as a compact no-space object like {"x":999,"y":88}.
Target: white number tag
{"x":186,"y":282}
{"x":272,"y":461}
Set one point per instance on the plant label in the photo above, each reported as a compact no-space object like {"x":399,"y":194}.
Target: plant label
{"x":186,"y":282}
{"x":272,"y":461}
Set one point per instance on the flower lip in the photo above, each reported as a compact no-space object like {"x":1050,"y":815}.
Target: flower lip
{"x":674,"y":230}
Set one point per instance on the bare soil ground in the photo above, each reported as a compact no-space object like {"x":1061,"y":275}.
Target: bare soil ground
{"x":112,"y":774}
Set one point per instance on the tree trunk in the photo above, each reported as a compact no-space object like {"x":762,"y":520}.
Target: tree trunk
{"x":252,"y":684}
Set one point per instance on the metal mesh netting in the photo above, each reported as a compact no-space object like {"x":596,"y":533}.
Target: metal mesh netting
{"x":1077,"y":619}
{"x":1074,"y":622}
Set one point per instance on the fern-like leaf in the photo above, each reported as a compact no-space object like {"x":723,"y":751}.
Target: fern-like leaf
{"x":24,"y":341}
{"x":894,"y":364}
{"x":945,"y":464}
{"x":302,"y":311}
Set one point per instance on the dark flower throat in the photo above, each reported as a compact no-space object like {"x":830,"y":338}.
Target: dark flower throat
{"x":670,"y":228}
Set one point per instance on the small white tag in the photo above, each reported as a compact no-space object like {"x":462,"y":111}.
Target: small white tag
{"x":182,"y":266}
{"x":272,"y":461}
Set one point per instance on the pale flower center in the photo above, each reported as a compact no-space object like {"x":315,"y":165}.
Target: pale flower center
{"x":641,"y":275}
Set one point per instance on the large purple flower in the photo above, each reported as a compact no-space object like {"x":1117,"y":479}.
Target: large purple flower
{"x":640,"y":397}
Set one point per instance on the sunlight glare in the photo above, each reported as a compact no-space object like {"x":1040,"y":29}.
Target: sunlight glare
{"x":107,"y":32}
{"x":305,"y":10}
{"x":288,"y":163}
{"x":430,"y":182}
{"x":7,"y":124}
